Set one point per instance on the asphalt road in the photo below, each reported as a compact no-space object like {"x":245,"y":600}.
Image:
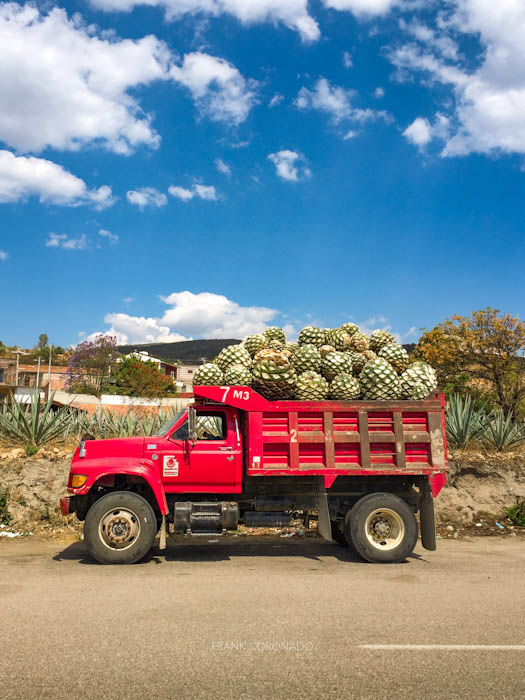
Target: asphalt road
{"x":263,"y":618}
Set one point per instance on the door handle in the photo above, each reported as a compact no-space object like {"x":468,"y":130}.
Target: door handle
{"x":226,"y":448}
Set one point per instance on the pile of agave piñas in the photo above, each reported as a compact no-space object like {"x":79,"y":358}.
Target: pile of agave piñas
{"x":342,"y":364}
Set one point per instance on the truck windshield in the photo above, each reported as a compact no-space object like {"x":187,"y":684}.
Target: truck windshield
{"x":169,"y":423}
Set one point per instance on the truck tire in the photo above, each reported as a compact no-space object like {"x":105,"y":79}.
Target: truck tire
{"x":120,"y":528}
{"x":382,"y":527}
{"x":339,"y":535}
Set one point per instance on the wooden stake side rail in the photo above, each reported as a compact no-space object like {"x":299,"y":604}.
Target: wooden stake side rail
{"x":337,"y":437}
{"x":294,"y":450}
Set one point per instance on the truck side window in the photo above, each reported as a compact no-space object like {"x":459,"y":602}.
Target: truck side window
{"x":211,"y":426}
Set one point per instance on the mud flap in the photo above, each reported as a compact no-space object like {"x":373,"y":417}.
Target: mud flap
{"x":162,"y":543}
{"x":426,"y":517}
{"x":324,"y":526}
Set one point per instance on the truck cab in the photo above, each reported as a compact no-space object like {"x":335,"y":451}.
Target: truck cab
{"x":204,"y":457}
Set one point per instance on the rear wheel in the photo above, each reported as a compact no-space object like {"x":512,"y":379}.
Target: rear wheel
{"x":382,"y":527}
{"x":120,"y":528}
{"x":341,"y":535}
{"x":337,"y":534}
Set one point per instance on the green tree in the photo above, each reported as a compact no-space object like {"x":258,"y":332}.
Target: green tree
{"x":42,"y":341}
{"x":133,"y":377}
{"x":484,"y":351}
{"x":441,"y":351}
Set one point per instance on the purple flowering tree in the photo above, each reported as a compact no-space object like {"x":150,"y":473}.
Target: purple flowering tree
{"x":91,"y":361}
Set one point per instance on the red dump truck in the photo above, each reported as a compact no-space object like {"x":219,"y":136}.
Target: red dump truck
{"x":362,"y":469}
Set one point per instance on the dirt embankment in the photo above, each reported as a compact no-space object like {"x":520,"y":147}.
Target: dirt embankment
{"x":479,"y":489}
{"x":32,"y":486}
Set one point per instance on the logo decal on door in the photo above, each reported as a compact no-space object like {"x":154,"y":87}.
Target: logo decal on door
{"x":170,"y":466}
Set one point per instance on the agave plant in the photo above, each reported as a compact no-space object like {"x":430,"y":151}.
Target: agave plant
{"x":35,"y":424}
{"x":463,"y":421}
{"x":105,"y":424}
{"x":502,"y":432}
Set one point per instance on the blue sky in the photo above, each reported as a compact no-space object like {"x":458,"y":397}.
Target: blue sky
{"x":202,"y":168}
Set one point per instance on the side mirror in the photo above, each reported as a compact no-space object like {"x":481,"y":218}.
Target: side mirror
{"x":192,"y":424}
{"x":187,"y":430}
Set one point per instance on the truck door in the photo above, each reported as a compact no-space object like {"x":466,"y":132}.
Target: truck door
{"x":213,"y":464}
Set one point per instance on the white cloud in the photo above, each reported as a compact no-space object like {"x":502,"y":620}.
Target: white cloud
{"x":347,"y":60}
{"x":138,"y":329}
{"x":290,"y":165}
{"x":292,"y":13}
{"x":362,"y":8}
{"x":206,"y":192}
{"x":444,"y":45}
{"x":200,"y":191}
{"x":214,"y":316}
{"x":61,"y":240}
{"x":181,"y":193}
{"x":222,"y":167}
{"x":22,"y":177}
{"x":147,"y":196}
{"x":79,"y":85}
{"x":382,"y":323}
{"x":488,"y":103}
{"x":111,"y":237}
{"x":276,"y":100}
{"x":65,"y":84}
{"x":419,"y":132}
{"x":218,"y":88}
{"x":335,"y":101}
{"x":3,"y":256}
{"x":238,"y":144}
{"x":401,"y":338}
{"x":127,"y":300}
{"x":374,"y":323}
{"x":203,"y":315}
{"x":379,"y":92}
{"x":331,"y":99}
{"x":350,"y":135}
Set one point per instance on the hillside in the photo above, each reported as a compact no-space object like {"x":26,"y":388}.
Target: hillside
{"x":191,"y":351}
{"x":188,"y":351}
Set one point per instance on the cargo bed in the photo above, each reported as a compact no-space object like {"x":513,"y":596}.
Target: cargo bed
{"x":333,"y":438}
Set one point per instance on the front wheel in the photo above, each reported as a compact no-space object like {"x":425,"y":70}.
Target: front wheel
{"x":120,"y":528}
{"x":382,"y":527}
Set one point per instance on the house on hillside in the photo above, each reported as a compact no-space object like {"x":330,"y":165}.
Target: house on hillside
{"x":185,"y":374}
{"x":24,"y":375}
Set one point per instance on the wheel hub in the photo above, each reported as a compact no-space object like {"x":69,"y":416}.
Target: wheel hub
{"x":381,"y":527}
{"x":119,"y":528}
{"x":385,"y":529}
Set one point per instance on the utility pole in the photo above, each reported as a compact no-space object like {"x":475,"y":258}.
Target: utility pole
{"x":17,"y":363}
{"x":38,"y":373}
{"x":49,"y":371}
